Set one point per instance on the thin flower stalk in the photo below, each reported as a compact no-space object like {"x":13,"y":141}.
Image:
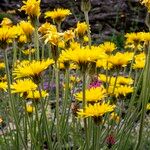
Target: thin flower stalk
{"x":144,"y":97}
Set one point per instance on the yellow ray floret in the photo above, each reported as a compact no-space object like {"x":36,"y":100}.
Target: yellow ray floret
{"x":21,"y":86}
{"x":92,"y":94}
{"x":32,"y":8}
{"x":31,"y":69}
{"x":96,"y":110}
{"x":58,"y":15}
{"x":36,"y":94}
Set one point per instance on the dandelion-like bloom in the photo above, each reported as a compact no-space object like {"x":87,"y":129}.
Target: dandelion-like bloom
{"x":46,"y":27}
{"x":134,"y":38}
{"x":96,"y":110}
{"x":82,"y":56}
{"x":31,"y":69}
{"x":3,"y":86}
{"x":6,"y":35}
{"x":108,"y":47}
{"x":27,"y":28}
{"x":2,"y":65}
{"x":139,"y":61}
{"x":120,"y":59}
{"x":58,"y":15}
{"x":92,"y":94}
{"x":81,"y":29}
{"x":36,"y":94}
{"x":146,"y":3}
{"x":22,"y":86}
{"x":32,"y":7}
{"x":6,"y":22}
{"x":30,"y":108}
{"x":122,"y":90}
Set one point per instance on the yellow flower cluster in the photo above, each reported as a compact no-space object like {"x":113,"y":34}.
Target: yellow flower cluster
{"x":32,"y":8}
{"x":58,"y":15}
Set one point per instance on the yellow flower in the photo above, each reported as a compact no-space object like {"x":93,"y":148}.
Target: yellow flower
{"x":146,"y":3}
{"x":108,"y":47}
{"x":36,"y":94}
{"x":21,"y":86}
{"x":139,"y":61}
{"x":92,"y":94}
{"x":134,"y":38}
{"x":120,"y":90}
{"x":30,"y":108}
{"x":81,"y":29}
{"x":124,"y":80}
{"x":28,"y":51}
{"x":96,"y":110}
{"x":3,"y":85}
{"x":22,"y":39}
{"x":27,"y":28}
{"x":58,"y":15}
{"x":68,"y":35}
{"x":2,"y":65}
{"x":104,"y":64}
{"x":6,"y":35}
{"x":6,"y":22}
{"x":82,"y":56}
{"x":120,"y":59}
{"x":44,"y":28}
{"x":115,"y":117}
{"x":32,"y":8}
{"x":148,"y":106}
{"x":31,"y":69}
{"x":54,"y":38}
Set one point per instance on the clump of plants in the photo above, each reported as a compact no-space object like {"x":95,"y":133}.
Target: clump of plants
{"x":59,"y":91}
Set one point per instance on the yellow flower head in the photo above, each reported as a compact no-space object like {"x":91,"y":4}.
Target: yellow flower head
{"x":22,"y":39}
{"x":36,"y":94}
{"x":44,"y":28}
{"x":120,"y":59}
{"x":108,"y":47}
{"x":28,"y":51}
{"x":21,"y":86}
{"x":104,"y":64}
{"x":32,"y":7}
{"x":139,"y":61}
{"x":146,"y":3}
{"x":148,"y":106}
{"x":3,"y":86}
{"x":134,"y":38}
{"x":27,"y":28}
{"x":6,"y":22}
{"x":124,"y":80}
{"x":6,"y":35}
{"x":96,"y":110}
{"x":30,"y":108}
{"x":31,"y":69}
{"x":2,"y":65}
{"x":92,"y":94}
{"x":81,"y":29}
{"x":68,"y":35}
{"x":58,"y":15}
{"x":121,"y":90}
{"x":55,"y":38}
{"x":82,"y":56}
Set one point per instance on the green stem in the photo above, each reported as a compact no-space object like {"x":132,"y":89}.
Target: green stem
{"x":57,"y":101}
{"x":144,"y":97}
{"x":88,"y":27}
{"x":84,"y":105}
{"x":11,"y":100}
{"x":36,"y":41}
{"x":14,"y":52}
